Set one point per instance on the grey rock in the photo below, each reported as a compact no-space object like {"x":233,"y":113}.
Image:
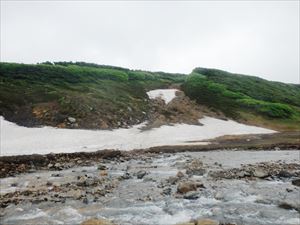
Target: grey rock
{"x":102,"y":167}
{"x":140,"y":174}
{"x":296,"y":182}
{"x":260,"y":173}
{"x":192,"y":195}
{"x":71,"y":119}
{"x":167,"y":191}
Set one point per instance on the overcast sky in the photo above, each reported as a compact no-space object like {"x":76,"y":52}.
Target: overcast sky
{"x":256,"y":38}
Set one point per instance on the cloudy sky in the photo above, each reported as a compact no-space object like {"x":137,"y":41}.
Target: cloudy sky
{"x":258,"y":38}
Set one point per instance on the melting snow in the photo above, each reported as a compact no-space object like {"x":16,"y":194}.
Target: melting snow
{"x":18,"y":140}
{"x":165,"y":94}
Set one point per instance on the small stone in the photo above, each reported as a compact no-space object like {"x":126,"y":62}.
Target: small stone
{"x":140,"y":174}
{"x":56,"y":175}
{"x":180,"y":174}
{"x":126,"y":176}
{"x":71,"y":119}
{"x":103,"y":173}
{"x":191,"y":195}
{"x":183,"y":188}
{"x":50,"y":165}
{"x":167,"y":191}
{"x":102,"y":167}
{"x":260,"y":173}
{"x":219,"y":196}
{"x":14,"y":185}
{"x":296,"y":182}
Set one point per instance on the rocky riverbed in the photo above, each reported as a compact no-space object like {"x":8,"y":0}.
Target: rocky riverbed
{"x":227,"y":187}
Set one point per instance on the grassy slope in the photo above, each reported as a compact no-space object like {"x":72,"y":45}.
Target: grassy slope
{"x":103,"y":96}
{"x":247,"y":98}
{"x":96,"y":96}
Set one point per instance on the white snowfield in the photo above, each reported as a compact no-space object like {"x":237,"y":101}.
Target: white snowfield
{"x":18,"y":140}
{"x":165,"y":94}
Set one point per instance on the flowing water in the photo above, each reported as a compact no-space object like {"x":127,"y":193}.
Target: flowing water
{"x":139,"y":201}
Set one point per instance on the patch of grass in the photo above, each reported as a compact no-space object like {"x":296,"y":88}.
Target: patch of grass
{"x":207,"y":89}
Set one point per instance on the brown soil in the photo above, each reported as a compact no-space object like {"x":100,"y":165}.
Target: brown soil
{"x":180,"y":110}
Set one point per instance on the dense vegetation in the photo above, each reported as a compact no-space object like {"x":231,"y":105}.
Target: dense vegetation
{"x":236,"y":94}
{"x":107,"y":96}
{"x":99,"y":96}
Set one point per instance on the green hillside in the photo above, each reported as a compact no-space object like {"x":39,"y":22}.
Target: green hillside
{"x":97,"y":96}
{"x":246,"y":97}
{"x":101,"y":96}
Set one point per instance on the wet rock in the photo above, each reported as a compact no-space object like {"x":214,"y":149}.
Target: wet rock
{"x":103,"y":173}
{"x":219,"y":196}
{"x":185,"y":187}
{"x":102,"y":167}
{"x":192,"y":195}
{"x":140,"y":174}
{"x":207,"y":222}
{"x":14,"y":185}
{"x":195,"y":168}
{"x":167,"y":191}
{"x":284,"y":173}
{"x":56,"y":175}
{"x":149,"y":179}
{"x":290,"y":205}
{"x":260,"y":173}
{"x":180,"y":174}
{"x":50,"y":165}
{"x":296,"y":182}
{"x":126,"y":176}
{"x":75,"y":194}
{"x":97,"y":222}
{"x":172,"y":180}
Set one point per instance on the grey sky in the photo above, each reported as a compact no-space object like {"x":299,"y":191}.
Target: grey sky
{"x":256,"y":38}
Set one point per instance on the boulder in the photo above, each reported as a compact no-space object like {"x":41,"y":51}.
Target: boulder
{"x":102,"y":167}
{"x":185,"y":187}
{"x":140,"y":174}
{"x":71,"y":119}
{"x":195,"y":168}
{"x":97,"y":222}
{"x":192,"y":195}
{"x":296,"y":182}
{"x":180,"y":174}
{"x":260,"y":173}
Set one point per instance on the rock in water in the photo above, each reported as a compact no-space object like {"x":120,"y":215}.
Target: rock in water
{"x":192,"y":195}
{"x":97,"y":222}
{"x":141,"y":174}
{"x":102,"y":167}
{"x":195,"y":168}
{"x":260,"y":173}
{"x":296,"y":182}
{"x":185,"y":187}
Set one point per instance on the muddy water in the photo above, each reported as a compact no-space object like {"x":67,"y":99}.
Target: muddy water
{"x":140,"y":201}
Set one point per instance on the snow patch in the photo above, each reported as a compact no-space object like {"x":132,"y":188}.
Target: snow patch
{"x":165,"y":94}
{"x":18,"y":140}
